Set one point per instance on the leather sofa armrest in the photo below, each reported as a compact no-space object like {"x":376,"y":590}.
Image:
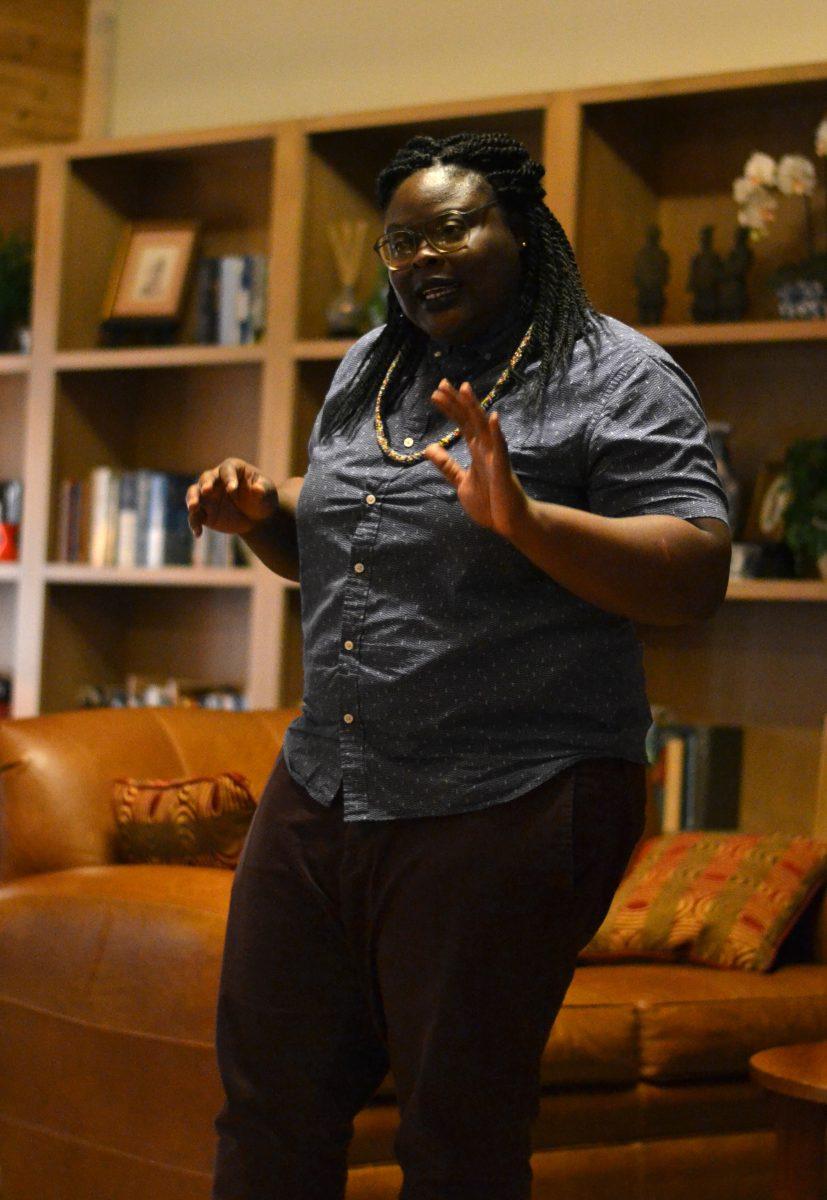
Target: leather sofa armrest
{"x":57,"y":772}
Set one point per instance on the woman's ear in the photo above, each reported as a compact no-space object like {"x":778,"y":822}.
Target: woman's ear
{"x":519,"y":227}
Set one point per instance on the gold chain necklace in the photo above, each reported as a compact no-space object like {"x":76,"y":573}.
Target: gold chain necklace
{"x":450,"y":438}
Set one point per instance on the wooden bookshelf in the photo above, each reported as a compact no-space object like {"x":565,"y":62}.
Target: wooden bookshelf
{"x":619,"y":158}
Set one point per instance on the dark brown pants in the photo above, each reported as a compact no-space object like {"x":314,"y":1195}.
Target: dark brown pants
{"x":438,"y":947}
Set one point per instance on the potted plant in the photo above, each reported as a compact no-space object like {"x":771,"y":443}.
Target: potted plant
{"x":801,"y":287}
{"x":15,"y":290}
{"x":805,"y":514}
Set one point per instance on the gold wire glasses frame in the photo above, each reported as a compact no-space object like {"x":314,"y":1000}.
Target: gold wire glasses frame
{"x":445,"y":234}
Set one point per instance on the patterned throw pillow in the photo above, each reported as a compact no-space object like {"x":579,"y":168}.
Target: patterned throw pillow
{"x":716,"y":899}
{"x":200,"y":822}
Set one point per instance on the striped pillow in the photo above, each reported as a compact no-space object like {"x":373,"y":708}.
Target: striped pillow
{"x":200,"y":822}
{"x":716,"y":899}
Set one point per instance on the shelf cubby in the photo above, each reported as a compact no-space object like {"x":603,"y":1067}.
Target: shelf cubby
{"x":166,"y":419}
{"x":99,"y":634}
{"x":671,"y":159}
{"x":342,"y":166}
{"x":225,"y":186}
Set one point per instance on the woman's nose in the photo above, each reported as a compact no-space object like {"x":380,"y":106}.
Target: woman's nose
{"x":424,"y":248}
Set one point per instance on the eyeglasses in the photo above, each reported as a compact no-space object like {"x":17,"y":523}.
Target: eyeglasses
{"x":445,"y":234}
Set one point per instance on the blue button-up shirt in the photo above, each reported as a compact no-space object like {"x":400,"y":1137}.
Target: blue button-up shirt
{"x":443,"y":670}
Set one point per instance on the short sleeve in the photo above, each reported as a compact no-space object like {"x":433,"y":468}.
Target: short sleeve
{"x":649,"y":449}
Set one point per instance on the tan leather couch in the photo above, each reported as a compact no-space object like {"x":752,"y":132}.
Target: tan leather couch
{"x":108,"y":974}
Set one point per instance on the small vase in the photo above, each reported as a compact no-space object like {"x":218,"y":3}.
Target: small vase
{"x":344,"y":315}
{"x":801,"y":300}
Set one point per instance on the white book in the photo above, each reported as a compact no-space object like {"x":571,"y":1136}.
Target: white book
{"x":100,"y":538}
{"x":229,"y":299}
{"x":673,"y":784}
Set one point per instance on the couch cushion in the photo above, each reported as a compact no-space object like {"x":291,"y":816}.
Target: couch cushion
{"x":701,"y":1023}
{"x":716,"y":899}
{"x":200,"y":821}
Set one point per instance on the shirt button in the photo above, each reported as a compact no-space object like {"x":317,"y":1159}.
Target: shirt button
{"x":348,"y":718}
{"x":370,"y":499}
{"x":348,"y":645}
{"x":359,"y":568}
{"x":408,"y":442}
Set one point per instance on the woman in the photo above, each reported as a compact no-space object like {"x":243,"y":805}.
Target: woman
{"x":455,"y":806}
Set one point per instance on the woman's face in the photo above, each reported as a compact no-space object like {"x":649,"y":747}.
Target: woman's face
{"x":455,"y":297}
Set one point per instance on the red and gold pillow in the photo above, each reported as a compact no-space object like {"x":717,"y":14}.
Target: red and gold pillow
{"x":716,"y":899}
{"x":199,"y":822}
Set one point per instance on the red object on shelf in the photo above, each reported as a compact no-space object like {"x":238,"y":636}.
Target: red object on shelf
{"x":8,"y":542}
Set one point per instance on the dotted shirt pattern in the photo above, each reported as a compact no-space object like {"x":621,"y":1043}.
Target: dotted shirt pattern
{"x":445,"y":672}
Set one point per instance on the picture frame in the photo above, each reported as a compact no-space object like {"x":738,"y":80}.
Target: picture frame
{"x":150,"y":272}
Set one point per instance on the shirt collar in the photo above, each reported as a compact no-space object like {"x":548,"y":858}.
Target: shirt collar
{"x":476,"y":356}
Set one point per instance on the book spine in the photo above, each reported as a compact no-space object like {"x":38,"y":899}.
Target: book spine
{"x":206,"y":328}
{"x":244,"y":301}
{"x":128,"y":519}
{"x":673,"y":783}
{"x":229,"y":284}
{"x":177,"y":535}
{"x":64,"y":516}
{"x":155,"y":520}
{"x":99,"y":484}
{"x":258,"y":300}
{"x":143,"y":481}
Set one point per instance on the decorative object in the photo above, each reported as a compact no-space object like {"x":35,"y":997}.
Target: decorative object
{"x":770,"y":495}
{"x":11,"y":507}
{"x":651,"y":277}
{"x":804,"y":515}
{"x":705,"y":277}
{"x":148,"y":280}
{"x":15,"y":292}
{"x":715,"y":899}
{"x":199,"y":822}
{"x":732,"y":297}
{"x":719,"y":433}
{"x":800,"y":287}
{"x":344,"y":314}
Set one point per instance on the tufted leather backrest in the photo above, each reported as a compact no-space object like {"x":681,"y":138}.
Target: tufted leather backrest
{"x":56,"y":772}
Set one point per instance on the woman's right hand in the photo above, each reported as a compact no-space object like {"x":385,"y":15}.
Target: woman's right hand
{"x":233,"y":497}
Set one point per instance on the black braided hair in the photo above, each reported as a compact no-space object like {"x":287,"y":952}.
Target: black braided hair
{"x":552,"y":294}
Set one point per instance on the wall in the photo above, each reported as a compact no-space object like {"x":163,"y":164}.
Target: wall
{"x":189,"y":63}
{"x":41,"y":70}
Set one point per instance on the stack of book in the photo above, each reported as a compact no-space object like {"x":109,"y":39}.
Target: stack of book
{"x":231,"y":299}
{"x":118,"y":518}
{"x":695,"y":774}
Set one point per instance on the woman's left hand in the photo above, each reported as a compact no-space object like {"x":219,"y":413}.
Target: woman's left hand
{"x":488,"y":490}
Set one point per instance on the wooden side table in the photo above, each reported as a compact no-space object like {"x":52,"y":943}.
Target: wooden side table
{"x":797,"y":1076}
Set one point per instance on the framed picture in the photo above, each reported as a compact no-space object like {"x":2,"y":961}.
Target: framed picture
{"x":770,"y":497}
{"x":150,"y":272}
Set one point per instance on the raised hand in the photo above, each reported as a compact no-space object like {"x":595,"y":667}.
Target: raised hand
{"x":233,"y":497}
{"x":488,"y":490}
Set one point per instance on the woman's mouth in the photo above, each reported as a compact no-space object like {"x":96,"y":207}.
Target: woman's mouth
{"x":435,"y":296}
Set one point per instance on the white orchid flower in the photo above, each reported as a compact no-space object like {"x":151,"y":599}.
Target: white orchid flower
{"x":742,"y":189}
{"x":760,"y":169}
{"x":796,"y":175}
{"x":821,"y":138}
